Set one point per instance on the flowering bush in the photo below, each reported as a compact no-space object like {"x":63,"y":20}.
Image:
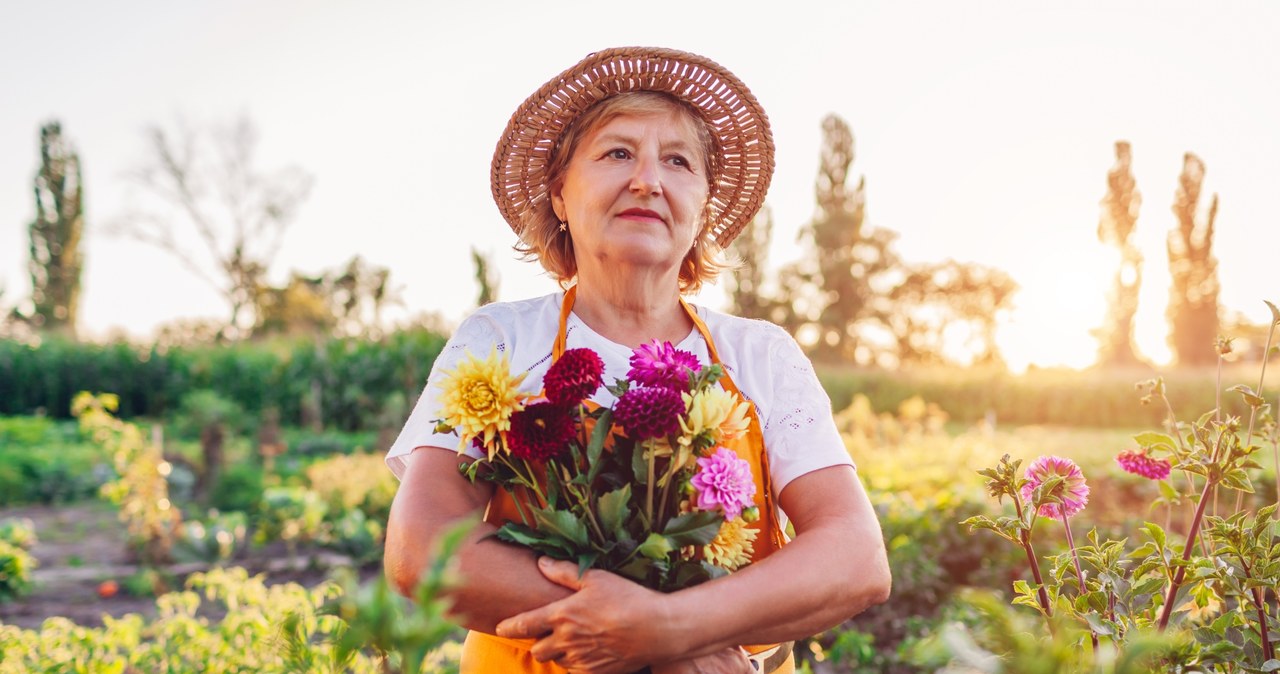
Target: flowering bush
{"x":1204,"y":599}
{"x":645,"y":488}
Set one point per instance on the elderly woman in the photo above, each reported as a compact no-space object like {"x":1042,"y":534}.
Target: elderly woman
{"x":625,"y":176}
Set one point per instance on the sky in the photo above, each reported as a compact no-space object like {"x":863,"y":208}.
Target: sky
{"x":984,"y":131}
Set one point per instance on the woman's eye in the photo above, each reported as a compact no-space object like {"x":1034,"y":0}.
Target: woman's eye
{"x":680,"y":161}
{"x":618,"y":153}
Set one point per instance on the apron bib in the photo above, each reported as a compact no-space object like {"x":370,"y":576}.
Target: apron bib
{"x":486,"y":653}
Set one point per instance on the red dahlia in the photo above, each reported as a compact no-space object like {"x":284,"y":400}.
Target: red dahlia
{"x":540,"y":431}
{"x":573,"y":378}
{"x":649,"y":412}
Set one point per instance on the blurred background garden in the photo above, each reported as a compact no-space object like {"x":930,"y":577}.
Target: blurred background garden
{"x":234,"y":237}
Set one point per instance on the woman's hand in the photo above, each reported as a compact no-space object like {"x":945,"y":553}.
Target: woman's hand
{"x":608,"y":625}
{"x":727,"y":661}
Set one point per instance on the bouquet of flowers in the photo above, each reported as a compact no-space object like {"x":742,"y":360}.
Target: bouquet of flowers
{"x":644,"y":488}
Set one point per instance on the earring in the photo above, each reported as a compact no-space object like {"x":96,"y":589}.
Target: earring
{"x":564,"y":226}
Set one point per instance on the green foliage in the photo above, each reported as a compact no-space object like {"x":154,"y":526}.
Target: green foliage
{"x":51,"y":475}
{"x":277,"y":629}
{"x":15,"y":571}
{"x":1091,"y":398}
{"x":291,"y":514}
{"x":216,"y":538}
{"x":239,"y":487}
{"x":18,"y":531}
{"x":356,"y":376}
{"x":1202,"y":591}
{"x":204,"y":408}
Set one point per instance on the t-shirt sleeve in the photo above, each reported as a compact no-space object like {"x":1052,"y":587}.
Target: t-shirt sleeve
{"x":800,"y":431}
{"x":477,"y":335}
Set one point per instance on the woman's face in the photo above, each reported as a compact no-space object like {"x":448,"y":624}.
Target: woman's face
{"x":634,"y":191}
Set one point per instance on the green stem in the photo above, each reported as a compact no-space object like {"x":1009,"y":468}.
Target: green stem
{"x":648,"y":497}
{"x":1268,"y":650}
{"x":1075,"y":556}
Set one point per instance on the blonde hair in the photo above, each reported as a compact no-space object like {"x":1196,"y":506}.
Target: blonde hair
{"x":540,"y":235}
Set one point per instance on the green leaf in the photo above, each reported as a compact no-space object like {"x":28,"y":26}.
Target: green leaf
{"x":1272,"y":664}
{"x":1156,"y":533}
{"x":1275,"y":313}
{"x":1251,"y":397}
{"x":562,"y":523}
{"x":596,"y":446}
{"x":639,"y":467}
{"x":695,"y":528}
{"x":546,"y":543}
{"x":585,"y":561}
{"x":1097,"y":625}
{"x":656,"y":547}
{"x":1154,"y":439}
{"x":613,"y":509}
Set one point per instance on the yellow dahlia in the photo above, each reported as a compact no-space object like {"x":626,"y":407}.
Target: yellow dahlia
{"x":732,"y":547}
{"x":715,"y":410}
{"x":479,"y":397}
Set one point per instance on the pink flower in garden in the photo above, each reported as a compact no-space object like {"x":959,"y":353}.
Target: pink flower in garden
{"x":724,"y":481}
{"x":649,"y":412}
{"x":1139,"y":463}
{"x":1072,"y":491}
{"x":574,"y":377}
{"x":655,"y":364}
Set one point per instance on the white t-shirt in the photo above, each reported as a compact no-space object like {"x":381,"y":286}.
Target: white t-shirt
{"x":768,"y":366}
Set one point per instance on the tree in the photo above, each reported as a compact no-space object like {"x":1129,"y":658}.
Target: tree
{"x":849,"y":263}
{"x":1115,"y":228}
{"x":486,"y":278}
{"x":56,"y":233}
{"x":939,"y":309}
{"x":204,"y":186}
{"x":746,"y":283}
{"x":1193,"y":295}
{"x":347,"y":301}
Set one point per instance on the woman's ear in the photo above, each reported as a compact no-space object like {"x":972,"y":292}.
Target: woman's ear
{"x":557,"y":203}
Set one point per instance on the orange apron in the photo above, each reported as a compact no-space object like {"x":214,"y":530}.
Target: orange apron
{"x":488,"y":654}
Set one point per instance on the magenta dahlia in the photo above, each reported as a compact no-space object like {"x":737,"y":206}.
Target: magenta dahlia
{"x":541,"y":431}
{"x":574,"y":377}
{"x":724,"y":481}
{"x":660,"y":364}
{"x":1139,"y":463}
{"x":1072,"y":492}
{"x":649,"y":412}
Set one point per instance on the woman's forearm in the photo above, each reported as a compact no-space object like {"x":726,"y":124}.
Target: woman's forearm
{"x":494,"y":580}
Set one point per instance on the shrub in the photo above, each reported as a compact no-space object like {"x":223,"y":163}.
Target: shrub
{"x":239,"y":487}
{"x":18,"y":531}
{"x":357,"y":481}
{"x":15,"y":571}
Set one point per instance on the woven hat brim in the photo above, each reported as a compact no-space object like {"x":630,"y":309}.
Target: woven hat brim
{"x":738,"y":125}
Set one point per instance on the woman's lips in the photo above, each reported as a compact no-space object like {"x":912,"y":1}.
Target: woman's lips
{"x":641,"y":215}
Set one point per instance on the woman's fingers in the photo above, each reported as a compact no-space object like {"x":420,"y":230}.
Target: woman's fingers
{"x":561,"y":573}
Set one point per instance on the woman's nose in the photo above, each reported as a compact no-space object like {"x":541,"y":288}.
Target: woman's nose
{"x":645,"y":178}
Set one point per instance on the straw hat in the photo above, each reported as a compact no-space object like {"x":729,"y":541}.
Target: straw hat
{"x":742,"y":167}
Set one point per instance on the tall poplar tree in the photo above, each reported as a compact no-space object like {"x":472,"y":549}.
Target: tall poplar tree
{"x":1193,"y":296}
{"x":56,"y":233}
{"x":1115,"y":228}
{"x":847,"y":257}
{"x":746,"y":282}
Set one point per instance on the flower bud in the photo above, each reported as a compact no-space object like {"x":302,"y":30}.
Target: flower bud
{"x":751,"y":514}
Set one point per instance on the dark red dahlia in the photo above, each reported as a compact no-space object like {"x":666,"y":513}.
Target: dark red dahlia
{"x":649,"y":412}
{"x":573,"y":378}
{"x":541,"y":431}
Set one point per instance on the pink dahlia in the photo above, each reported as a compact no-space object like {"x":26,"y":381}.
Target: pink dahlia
{"x":1139,"y":463}
{"x":574,"y":377}
{"x":540,"y":431}
{"x":649,"y":412}
{"x":655,"y":364}
{"x":724,"y":481}
{"x":1072,"y":492}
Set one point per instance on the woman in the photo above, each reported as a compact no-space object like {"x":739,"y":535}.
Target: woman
{"x":624,"y":177}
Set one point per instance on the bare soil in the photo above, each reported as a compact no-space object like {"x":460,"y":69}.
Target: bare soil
{"x":82,"y":545}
